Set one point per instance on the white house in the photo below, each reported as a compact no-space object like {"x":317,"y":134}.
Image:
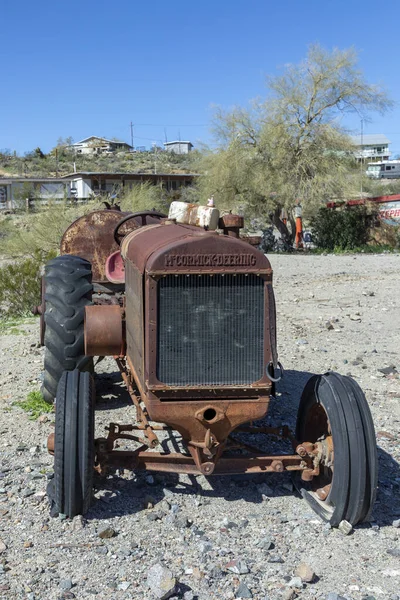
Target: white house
{"x":373,"y":147}
{"x":99,"y":145}
{"x":178,"y":147}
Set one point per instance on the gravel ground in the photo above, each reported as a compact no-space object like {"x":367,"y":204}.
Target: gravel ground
{"x":219,"y":538}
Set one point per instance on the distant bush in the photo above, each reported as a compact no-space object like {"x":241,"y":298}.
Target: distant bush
{"x":346,"y":229}
{"x":20,"y":285}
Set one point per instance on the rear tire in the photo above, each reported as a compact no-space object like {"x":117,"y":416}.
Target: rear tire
{"x":74,"y":444}
{"x":334,"y":405}
{"x":68,"y":289}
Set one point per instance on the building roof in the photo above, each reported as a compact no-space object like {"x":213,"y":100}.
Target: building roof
{"x":373,"y":139}
{"x":11,"y":179}
{"x":97,"y":137}
{"x":178,"y":142}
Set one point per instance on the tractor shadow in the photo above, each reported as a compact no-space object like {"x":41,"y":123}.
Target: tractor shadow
{"x":119,"y":496}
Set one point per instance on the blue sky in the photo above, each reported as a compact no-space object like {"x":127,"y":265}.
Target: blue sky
{"x":91,"y":67}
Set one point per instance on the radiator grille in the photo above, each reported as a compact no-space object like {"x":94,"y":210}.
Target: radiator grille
{"x":210,"y":329}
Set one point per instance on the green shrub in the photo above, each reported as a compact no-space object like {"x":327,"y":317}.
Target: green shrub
{"x":20,"y":285}
{"x":346,"y":229}
{"x":35,"y":405}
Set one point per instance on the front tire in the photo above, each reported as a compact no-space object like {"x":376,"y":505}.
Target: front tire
{"x":68,"y":289}
{"x":333,"y":406}
{"x":74,"y":443}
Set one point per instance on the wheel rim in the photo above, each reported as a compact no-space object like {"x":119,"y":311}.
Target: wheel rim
{"x":317,"y":428}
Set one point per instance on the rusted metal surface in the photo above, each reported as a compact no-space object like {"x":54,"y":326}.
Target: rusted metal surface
{"x":186,"y":249}
{"x":103,"y":330}
{"x":50,"y":443}
{"x":141,"y":416}
{"x":181,"y":463}
{"x":231,"y":224}
{"x":91,"y":237}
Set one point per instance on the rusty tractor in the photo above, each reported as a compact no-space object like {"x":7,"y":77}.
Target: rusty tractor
{"x":186,"y":308}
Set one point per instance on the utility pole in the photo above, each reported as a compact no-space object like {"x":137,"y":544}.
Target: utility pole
{"x":361,"y":156}
{"x":132,"y":135}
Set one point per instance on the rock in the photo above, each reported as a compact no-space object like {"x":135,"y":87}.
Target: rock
{"x":296,"y":582}
{"x":78,"y":523}
{"x":28,"y":544}
{"x":334,"y":596}
{"x":391,"y":572}
{"x":266,"y":543}
{"x":388,"y":370}
{"x":154,"y":516}
{"x":275,"y":558}
{"x":396,"y":523}
{"x":161,"y":581}
{"x":355,"y":317}
{"x":205,"y":547}
{"x":188,"y":595}
{"x":301,"y":342}
{"x":181,"y":522}
{"x":3,"y":547}
{"x":265,"y":489}
{"x":124,"y":585}
{"x":305,"y":572}
{"x":228,"y":524}
{"x":101,"y":550}
{"x":345,"y":527}
{"x":393,"y":551}
{"x":289,"y":595}
{"x":237,"y":566}
{"x":66,"y":584}
{"x":148,"y":502}
{"x":243,"y":591}
{"x":107,"y":533}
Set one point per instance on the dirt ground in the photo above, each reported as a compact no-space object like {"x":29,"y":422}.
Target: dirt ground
{"x":337,"y":313}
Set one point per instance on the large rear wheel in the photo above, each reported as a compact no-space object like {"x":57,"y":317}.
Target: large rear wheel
{"x":74,"y":444}
{"x":68,"y":289}
{"x":333,"y":411}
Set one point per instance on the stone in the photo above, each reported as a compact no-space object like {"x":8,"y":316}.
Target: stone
{"x":289,"y":595}
{"x":3,"y":547}
{"x":391,"y":572}
{"x":161,"y":581}
{"x":393,"y":551}
{"x":28,"y":544}
{"x":101,"y":550}
{"x":265,"y":489}
{"x":243,"y":591}
{"x":266,"y":543}
{"x":345,"y":527}
{"x":124,"y":585}
{"x":188,"y":595}
{"x":107,"y":533}
{"x":228,"y":524}
{"x":334,"y":596}
{"x":205,"y":547}
{"x":181,"y":522}
{"x":396,"y":523}
{"x":148,"y":501}
{"x":78,"y":523}
{"x":66,"y":584}
{"x":275,"y":558}
{"x":237,"y":566}
{"x":305,"y":572}
{"x":296,"y":582}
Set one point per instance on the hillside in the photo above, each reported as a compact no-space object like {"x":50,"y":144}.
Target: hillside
{"x":34,"y":164}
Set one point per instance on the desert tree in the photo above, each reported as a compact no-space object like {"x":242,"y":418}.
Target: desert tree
{"x":293,"y":144}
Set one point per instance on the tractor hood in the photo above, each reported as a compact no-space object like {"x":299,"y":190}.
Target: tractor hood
{"x":174,"y":248}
